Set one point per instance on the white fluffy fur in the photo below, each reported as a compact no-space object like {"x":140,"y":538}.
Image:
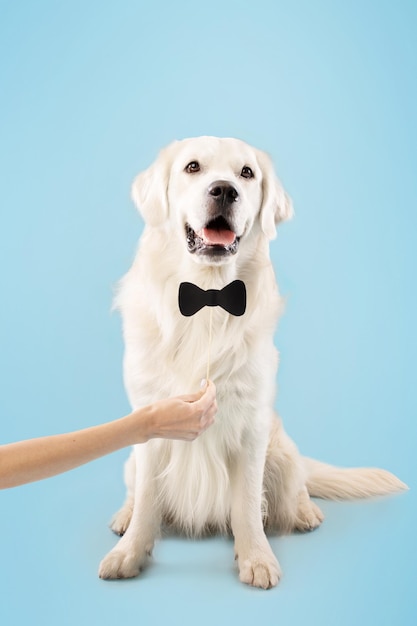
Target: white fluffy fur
{"x":244,"y":473}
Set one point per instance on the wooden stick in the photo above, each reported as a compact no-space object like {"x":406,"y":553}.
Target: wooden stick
{"x":209,"y":344}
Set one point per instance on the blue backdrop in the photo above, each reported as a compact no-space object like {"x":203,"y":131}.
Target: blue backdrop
{"x":90,"y":91}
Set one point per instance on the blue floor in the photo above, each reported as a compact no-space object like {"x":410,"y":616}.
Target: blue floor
{"x":358,"y":568}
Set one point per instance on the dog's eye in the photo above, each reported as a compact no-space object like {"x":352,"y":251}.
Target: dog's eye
{"x":192,"y":167}
{"x":246,"y":172}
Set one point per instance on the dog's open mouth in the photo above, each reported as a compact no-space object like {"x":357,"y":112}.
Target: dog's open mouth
{"x":216,"y":238}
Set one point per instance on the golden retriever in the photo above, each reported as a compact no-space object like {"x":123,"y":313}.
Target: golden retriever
{"x":211,"y":207}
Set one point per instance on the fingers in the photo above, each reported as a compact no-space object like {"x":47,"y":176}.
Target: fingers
{"x":206,"y":397}
{"x":202,"y":398}
{"x":203,"y":410}
{"x":206,"y":417}
{"x":188,"y":416}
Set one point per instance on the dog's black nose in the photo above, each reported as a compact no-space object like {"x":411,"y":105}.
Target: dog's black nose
{"x":223,"y":192}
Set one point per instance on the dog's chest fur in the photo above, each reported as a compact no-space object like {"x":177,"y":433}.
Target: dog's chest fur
{"x":166,"y":354}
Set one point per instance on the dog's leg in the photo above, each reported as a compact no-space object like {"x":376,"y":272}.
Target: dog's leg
{"x":256,"y":561}
{"x":133,"y":550}
{"x":288,"y":504}
{"x":121,"y":520}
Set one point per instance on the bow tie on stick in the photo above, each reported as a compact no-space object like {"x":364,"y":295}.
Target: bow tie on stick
{"x":231,"y":298}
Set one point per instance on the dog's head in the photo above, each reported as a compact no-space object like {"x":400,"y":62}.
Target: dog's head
{"x":215,"y":192}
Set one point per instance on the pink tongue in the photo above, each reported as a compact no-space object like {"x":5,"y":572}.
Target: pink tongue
{"x":217,"y":237}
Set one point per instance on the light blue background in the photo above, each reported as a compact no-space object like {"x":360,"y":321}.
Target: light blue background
{"x":90,"y":91}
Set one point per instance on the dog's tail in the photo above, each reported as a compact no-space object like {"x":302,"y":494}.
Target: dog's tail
{"x":336,"y":483}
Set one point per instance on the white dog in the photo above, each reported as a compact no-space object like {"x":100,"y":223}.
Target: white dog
{"x":211,"y":207}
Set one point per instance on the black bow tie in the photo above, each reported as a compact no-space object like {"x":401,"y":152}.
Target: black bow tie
{"x":231,"y":298}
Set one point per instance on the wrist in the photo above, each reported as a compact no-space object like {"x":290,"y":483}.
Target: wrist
{"x":141,"y":425}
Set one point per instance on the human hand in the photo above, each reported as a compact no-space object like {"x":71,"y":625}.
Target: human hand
{"x":183,"y":417}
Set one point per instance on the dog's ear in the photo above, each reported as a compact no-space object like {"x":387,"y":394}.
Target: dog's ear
{"x":276,"y":203}
{"x":150,"y":188}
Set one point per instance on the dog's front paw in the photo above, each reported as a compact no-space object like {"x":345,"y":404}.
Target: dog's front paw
{"x":121,"y":520}
{"x":260,"y":570}
{"x":120,"y":564}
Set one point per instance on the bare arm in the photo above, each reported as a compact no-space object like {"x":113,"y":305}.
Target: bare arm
{"x":184,"y":418}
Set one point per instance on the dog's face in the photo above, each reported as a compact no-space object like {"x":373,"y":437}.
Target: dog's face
{"x":215,"y":192}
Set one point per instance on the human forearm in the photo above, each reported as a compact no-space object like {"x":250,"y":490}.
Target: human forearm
{"x":35,"y":459}
{"x":184,"y":417}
